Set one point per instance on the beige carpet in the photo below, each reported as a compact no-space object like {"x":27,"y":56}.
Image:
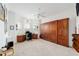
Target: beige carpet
{"x":39,"y":47}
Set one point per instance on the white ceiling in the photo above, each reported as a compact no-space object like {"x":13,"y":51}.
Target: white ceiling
{"x":47,"y":9}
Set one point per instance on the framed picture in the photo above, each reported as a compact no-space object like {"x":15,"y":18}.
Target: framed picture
{"x":2,"y":12}
{"x":11,"y":27}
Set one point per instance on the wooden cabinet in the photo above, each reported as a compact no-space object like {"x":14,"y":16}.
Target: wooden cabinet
{"x":76,"y":42}
{"x":53,"y":31}
{"x":63,"y":32}
{"x":34,"y":36}
{"x":49,"y":31}
{"x":56,"y":31}
{"x":21,"y":38}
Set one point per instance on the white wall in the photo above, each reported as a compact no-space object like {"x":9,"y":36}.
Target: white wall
{"x":69,"y":13}
{"x":14,"y":19}
{"x":24,"y":21}
{"x":77,"y":24}
{"x":20,"y":20}
{"x":11,"y":21}
{"x":2,"y":35}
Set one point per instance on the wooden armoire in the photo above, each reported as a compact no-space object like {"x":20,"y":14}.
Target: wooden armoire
{"x":56,"y":31}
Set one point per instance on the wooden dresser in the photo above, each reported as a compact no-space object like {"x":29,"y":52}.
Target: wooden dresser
{"x":34,"y":36}
{"x":76,"y":42}
{"x":21,"y":38}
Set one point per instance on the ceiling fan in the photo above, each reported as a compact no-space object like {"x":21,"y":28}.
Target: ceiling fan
{"x":41,"y":14}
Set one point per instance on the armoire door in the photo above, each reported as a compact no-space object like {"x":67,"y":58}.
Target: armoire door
{"x":49,"y":31}
{"x":53,"y":31}
{"x":63,"y":30}
{"x":44,"y":31}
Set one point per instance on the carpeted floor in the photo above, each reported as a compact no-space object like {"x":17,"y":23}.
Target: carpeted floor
{"x":40,"y":47}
